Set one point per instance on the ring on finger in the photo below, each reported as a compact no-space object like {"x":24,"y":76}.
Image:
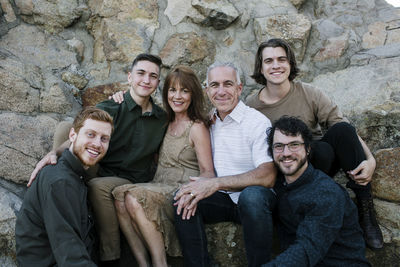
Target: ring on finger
{"x":191,"y":194}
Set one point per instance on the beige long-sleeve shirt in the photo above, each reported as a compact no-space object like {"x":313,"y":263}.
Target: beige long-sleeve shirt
{"x":304,"y":101}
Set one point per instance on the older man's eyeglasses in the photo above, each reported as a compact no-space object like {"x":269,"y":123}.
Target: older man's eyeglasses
{"x":293,"y":146}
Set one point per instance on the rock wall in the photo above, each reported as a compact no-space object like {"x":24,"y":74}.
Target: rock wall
{"x":57,"y":55}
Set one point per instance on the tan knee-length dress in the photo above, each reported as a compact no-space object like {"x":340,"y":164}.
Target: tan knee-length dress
{"x":177,"y":162}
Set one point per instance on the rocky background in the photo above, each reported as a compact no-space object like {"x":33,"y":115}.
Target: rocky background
{"x":57,"y":55}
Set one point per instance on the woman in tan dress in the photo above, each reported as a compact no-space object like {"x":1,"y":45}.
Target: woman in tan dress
{"x":144,"y":210}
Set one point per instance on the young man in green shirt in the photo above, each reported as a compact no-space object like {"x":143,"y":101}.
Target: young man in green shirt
{"x":139,"y":129}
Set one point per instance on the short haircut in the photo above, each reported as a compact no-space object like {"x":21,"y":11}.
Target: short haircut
{"x":290,"y":126}
{"x":258,"y":76}
{"x":224,"y":64}
{"x":94,"y":114}
{"x":185,"y":78}
{"x":147,"y":57}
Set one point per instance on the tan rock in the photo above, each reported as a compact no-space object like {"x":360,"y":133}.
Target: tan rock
{"x":218,"y":13}
{"x":375,"y":36}
{"x":75,"y":79}
{"x":100,"y":72}
{"x":25,"y":6}
{"x":178,"y":10}
{"x":53,"y":16}
{"x":123,"y":36}
{"x":96,"y":94}
{"x":9,"y":14}
{"x":334,"y":48}
{"x":386,"y":179}
{"x":54,"y":100}
{"x":294,"y":28}
{"x":297,"y":3}
{"x":23,"y":141}
{"x":189,"y":49}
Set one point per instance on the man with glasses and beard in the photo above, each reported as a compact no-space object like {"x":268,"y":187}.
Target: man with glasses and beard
{"x":318,"y":224}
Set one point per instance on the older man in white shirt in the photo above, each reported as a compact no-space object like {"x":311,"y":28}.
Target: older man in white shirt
{"x":241,"y":193}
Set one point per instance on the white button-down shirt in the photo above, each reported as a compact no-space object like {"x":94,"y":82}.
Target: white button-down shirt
{"x":239,"y":142}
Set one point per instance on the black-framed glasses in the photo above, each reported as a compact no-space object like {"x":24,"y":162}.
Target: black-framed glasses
{"x":293,"y":146}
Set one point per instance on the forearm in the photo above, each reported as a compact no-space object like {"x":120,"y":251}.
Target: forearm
{"x":263,"y":175}
{"x":368,"y":154}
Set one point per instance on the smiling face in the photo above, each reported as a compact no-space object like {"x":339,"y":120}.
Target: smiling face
{"x":223,"y":89}
{"x":291,"y":164}
{"x":179,"y":99}
{"x":90,"y":144}
{"x":144,"y":79}
{"x":275,"y":65}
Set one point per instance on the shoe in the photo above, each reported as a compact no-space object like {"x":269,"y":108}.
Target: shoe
{"x":367,"y":218}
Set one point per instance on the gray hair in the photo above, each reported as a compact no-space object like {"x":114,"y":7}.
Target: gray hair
{"x":224,"y":64}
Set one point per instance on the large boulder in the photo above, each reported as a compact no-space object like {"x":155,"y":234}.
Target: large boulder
{"x":53,"y":16}
{"x":23,"y":140}
{"x":121,"y":31}
{"x":9,"y":205}
{"x":294,"y":28}
{"x":190,"y":49}
{"x":19,"y":84}
{"x":386,"y":180}
{"x":48,"y":52}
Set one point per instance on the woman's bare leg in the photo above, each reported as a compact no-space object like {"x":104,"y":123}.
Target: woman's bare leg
{"x":152,"y":237}
{"x":135,"y":242}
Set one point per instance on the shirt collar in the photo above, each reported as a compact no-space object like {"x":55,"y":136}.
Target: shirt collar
{"x":237,"y":113}
{"x":305,"y":178}
{"x":74,"y":163}
{"x":156,"y":110}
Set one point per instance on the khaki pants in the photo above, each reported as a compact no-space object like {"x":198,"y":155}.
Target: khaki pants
{"x":102,"y":202}
{"x":106,"y":220}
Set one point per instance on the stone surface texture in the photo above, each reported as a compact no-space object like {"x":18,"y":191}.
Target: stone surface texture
{"x":57,"y":56}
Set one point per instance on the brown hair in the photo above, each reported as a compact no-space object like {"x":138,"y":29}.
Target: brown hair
{"x":94,"y":114}
{"x":258,"y":76}
{"x":186,"y":78}
{"x":147,"y":57}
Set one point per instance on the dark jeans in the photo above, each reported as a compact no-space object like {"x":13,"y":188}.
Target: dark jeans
{"x":253,"y":211}
{"x":338,"y":149}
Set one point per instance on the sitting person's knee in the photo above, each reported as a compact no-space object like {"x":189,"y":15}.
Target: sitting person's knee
{"x":255,"y":196}
{"x":132,"y":204}
{"x":120,"y":207}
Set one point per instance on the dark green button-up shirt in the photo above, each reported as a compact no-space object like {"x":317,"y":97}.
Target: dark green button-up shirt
{"x":135,"y":140}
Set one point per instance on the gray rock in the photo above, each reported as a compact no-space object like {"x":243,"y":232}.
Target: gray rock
{"x":189,"y":49}
{"x":53,"y":16}
{"x":120,"y":38}
{"x":356,"y":89}
{"x":218,"y":14}
{"x":19,"y":83}
{"x":9,"y":205}
{"x":54,"y":99}
{"x":379,"y":126}
{"x":294,"y":28}
{"x":178,"y":10}
{"x":23,"y":140}
{"x":38,"y":49}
